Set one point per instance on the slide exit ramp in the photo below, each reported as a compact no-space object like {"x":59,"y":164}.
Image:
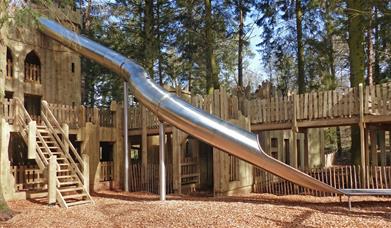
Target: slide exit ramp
{"x":177,"y":112}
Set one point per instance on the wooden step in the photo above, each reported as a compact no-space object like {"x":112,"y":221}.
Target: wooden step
{"x":72,"y":189}
{"x":43,"y":131}
{"x":79,"y":203}
{"x":69,"y":183}
{"x":74,"y":196}
{"x":63,"y":170}
{"x":66,"y":176}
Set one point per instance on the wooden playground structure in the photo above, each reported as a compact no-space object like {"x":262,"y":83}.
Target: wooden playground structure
{"x":53,"y":145}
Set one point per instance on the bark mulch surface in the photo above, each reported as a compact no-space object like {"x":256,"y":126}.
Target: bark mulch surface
{"x":119,"y":209}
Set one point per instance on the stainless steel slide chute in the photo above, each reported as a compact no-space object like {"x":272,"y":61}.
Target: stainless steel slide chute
{"x":175,"y":111}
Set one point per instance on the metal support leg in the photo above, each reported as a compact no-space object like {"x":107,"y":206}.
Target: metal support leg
{"x":340,"y":198}
{"x":126,"y":138}
{"x":350,"y":203}
{"x":162,"y":167}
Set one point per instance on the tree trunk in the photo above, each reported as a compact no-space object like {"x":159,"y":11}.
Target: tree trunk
{"x":212,"y":81}
{"x":376,"y":72}
{"x":356,"y":59}
{"x":148,"y":37}
{"x":330,"y":56}
{"x":300,"y":49}
{"x":330,"y":45}
{"x":158,"y":23}
{"x":240,"y":46}
{"x":370,"y":78}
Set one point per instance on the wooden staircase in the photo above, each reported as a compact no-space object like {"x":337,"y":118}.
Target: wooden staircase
{"x":51,"y":140}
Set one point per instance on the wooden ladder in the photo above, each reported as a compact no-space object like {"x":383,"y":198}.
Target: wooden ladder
{"x":70,"y":183}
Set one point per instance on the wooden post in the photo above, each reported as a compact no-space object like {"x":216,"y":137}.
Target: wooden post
{"x":96,"y":116}
{"x":306,"y":145}
{"x":362,"y":129}
{"x":382,"y":145}
{"x":176,"y":161}
{"x":65,"y":127}
{"x":144,"y":144}
{"x":373,"y":148}
{"x":82,"y":116}
{"x":86,"y":171}
{"x":52,"y":183}
{"x":293,"y":157}
{"x":32,"y":140}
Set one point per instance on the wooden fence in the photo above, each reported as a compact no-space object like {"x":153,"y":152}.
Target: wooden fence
{"x":219,"y":103}
{"x":67,"y":114}
{"x":143,"y":178}
{"x":135,"y":118}
{"x":106,"y":171}
{"x":190,"y":170}
{"x":28,"y":177}
{"x":106,"y":118}
{"x":74,"y":116}
{"x":340,"y":177}
{"x":323,"y":105}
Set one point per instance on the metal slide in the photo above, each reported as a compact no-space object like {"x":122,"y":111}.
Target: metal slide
{"x":175,"y":111}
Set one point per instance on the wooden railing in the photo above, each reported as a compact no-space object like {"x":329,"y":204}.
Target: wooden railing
{"x":22,"y":120}
{"x":342,"y":103}
{"x":190,"y":171}
{"x":74,"y":116}
{"x":28,"y":177}
{"x":32,"y":73}
{"x":377,"y":99}
{"x":56,"y":130}
{"x":106,"y":170}
{"x":106,"y":118}
{"x":67,"y":114}
{"x":149,"y":182}
{"x":340,"y":177}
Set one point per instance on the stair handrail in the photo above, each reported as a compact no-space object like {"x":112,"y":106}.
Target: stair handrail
{"x":19,"y":105}
{"x":65,"y":137}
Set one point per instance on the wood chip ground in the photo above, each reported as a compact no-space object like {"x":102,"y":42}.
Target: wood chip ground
{"x":119,"y":209}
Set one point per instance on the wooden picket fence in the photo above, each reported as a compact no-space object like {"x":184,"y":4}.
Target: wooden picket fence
{"x":106,"y":170}
{"x":377,"y":99}
{"x":75,"y":116}
{"x":67,"y":114}
{"x":220,"y":103}
{"x":143,"y":178}
{"x":340,"y":177}
{"x":106,"y":118}
{"x":190,"y":170}
{"x":28,"y":177}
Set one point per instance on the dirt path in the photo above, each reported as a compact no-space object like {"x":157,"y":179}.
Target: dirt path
{"x":142,"y":209}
